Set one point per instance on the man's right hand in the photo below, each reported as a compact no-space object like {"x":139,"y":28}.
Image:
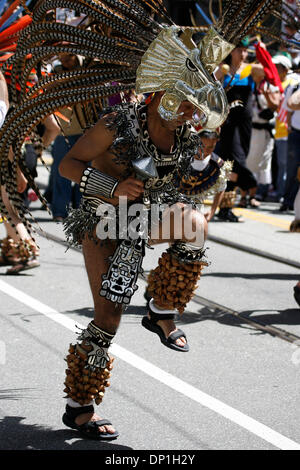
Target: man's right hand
{"x":131,"y":187}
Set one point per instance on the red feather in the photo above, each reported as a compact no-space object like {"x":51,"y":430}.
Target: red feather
{"x":271,"y":74}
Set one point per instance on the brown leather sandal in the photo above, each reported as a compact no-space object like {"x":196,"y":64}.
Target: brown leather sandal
{"x":27,"y":255}
{"x":8,"y":256}
{"x":90,"y":429}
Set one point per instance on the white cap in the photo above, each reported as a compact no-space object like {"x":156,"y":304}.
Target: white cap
{"x":282,"y":60}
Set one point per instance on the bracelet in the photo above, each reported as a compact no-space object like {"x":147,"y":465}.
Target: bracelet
{"x":95,"y":182}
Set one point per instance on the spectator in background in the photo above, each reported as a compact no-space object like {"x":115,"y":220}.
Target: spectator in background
{"x":265,"y":102}
{"x":47,"y":131}
{"x":236,"y":131}
{"x":293,"y":161}
{"x":294,"y":104}
{"x":295,"y":55}
{"x":62,"y":192}
{"x":18,"y":249}
{"x":208,"y":175}
{"x":180,"y":11}
{"x":283,"y":65}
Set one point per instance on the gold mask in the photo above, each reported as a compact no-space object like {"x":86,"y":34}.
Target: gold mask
{"x":175,"y":64}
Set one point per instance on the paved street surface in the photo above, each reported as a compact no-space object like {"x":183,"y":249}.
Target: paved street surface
{"x":237,"y":388}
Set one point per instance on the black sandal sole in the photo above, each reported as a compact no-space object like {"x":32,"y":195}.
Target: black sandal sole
{"x":98,"y":436}
{"x":154,"y":328}
{"x":23,"y":267}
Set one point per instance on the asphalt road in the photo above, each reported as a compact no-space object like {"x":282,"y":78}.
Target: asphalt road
{"x":237,"y":388}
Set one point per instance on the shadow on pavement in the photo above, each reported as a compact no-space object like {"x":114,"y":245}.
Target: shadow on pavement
{"x":281,"y":317}
{"x":15,"y":393}
{"x":16,"y":435}
{"x":85,"y":311}
{"x":285,"y":317}
{"x":214,"y":314}
{"x":132,"y":310}
{"x":22,"y":273}
{"x":289,"y":316}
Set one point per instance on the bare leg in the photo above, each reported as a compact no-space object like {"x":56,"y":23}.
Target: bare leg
{"x":295,"y":225}
{"x":179,"y":226}
{"x":243,"y":200}
{"x":107,"y":315}
{"x":253,"y":201}
{"x":11,"y":233}
{"x":176,"y":227}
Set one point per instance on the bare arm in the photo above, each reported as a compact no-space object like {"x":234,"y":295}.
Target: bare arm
{"x":216,"y":202}
{"x":52,"y":130}
{"x":89,"y":147}
{"x":257,"y":72}
{"x":21,"y":180}
{"x":273,"y":100}
{"x":92,"y":145}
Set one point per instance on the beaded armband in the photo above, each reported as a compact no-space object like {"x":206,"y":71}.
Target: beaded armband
{"x":93,"y":182}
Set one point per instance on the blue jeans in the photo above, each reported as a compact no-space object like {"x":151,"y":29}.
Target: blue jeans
{"x":292,"y":184}
{"x":281,"y":154}
{"x":63,"y":192}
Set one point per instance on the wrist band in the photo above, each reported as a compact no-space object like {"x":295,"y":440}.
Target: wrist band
{"x":95,"y":182}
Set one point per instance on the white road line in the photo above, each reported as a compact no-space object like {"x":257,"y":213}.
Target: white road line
{"x":255,"y":427}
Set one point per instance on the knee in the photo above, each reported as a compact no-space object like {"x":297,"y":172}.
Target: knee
{"x":186,"y":224}
{"x":200,"y":223}
{"x":195,"y":228}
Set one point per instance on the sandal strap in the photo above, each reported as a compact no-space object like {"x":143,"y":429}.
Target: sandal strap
{"x":103,"y":422}
{"x":176,"y":335}
{"x":92,"y":426}
{"x":20,"y":266}
{"x":73,"y":412}
{"x":155,"y":317}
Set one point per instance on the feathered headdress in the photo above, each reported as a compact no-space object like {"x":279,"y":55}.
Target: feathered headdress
{"x":123,"y":45}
